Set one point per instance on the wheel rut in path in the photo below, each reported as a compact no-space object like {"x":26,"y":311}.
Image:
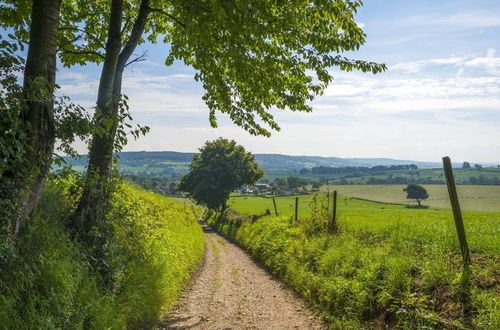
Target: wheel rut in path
{"x":230,"y":291}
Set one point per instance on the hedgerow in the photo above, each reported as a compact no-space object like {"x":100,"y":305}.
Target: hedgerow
{"x":156,"y":244}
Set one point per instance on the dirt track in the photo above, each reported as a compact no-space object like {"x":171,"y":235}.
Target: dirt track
{"x":230,"y":291}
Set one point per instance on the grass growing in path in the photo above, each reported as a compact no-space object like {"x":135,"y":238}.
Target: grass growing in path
{"x":388,"y":265}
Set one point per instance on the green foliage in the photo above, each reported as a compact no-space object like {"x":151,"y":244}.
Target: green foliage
{"x":221,"y":167}
{"x":253,"y":56}
{"x":50,"y":285}
{"x":295,"y":182}
{"x":389,"y":266}
{"x":250,"y":56}
{"x":15,"y":172}
{"x":414,"y":191}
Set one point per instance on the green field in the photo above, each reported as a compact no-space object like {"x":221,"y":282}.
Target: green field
{"x":473,"y":198}
{"x":388,"y":266}
{"x":433,"y":225}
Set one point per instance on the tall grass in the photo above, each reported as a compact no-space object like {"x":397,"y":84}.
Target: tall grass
{"x":387,"y":267}
{"x":49,"y":284}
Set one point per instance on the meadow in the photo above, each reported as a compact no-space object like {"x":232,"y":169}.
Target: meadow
{"x":472,"y":197}
{"x":388,"y":265}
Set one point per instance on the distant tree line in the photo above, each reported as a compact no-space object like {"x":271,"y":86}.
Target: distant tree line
{"x":360,"y":169}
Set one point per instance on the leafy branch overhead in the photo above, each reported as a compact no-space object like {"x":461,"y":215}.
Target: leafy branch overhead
{"x":252,"y":57}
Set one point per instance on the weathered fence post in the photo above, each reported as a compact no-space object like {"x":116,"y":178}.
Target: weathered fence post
{"x":296,"y":209}
{"x":328,"y":201}
{"x":457,"y":214}
{"x":333,"y":227}
{"x":275,"y":208}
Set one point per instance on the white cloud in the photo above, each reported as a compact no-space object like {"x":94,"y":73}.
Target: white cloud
{"x":459,"y":21}
{"x":488,"y":62}
{"x":400,"y":114}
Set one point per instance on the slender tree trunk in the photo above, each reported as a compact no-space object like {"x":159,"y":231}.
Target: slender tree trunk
{"x":40,"y":71}
{"x":87,"y":213}
{"x":101,"y":154}
{"x":101,"y":151}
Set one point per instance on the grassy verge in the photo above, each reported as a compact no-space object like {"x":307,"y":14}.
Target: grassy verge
{"x":387,"y":267}
{"x":49,"y":285}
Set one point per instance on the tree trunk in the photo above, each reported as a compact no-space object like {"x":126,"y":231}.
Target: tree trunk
{"x":101,"y":149}
{"x":40,"y":71}
{"x":101,"y":154}
{"x":87,"y":213}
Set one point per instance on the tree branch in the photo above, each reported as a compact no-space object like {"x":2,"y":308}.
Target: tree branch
{"x":173,"y":18}
{"x":93,"y":37}
{"x":69,"y":42}
{"x":139,"y":58}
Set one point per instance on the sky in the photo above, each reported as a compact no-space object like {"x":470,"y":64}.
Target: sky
{"x":439,"y":97}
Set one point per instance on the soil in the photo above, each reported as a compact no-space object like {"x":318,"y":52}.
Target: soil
{"x":231,"y":291}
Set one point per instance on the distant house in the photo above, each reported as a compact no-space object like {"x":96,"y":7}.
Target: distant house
{"x":262,"y":186}
{"x":246,"y":190}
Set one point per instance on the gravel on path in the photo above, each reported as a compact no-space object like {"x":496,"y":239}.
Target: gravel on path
{"x":230,"y":291}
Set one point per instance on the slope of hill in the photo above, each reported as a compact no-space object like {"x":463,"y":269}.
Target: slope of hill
{"x":271,"y":163}
{"x":172,"y":165}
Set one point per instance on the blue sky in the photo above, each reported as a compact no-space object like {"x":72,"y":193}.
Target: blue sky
{"x":440,"y":96}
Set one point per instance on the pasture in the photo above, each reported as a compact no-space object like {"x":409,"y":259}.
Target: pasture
{"x":433,"y":226}
{"x":472,"y":197}
{"x":388,"y":266}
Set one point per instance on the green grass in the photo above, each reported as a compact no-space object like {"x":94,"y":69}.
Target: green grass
{"x":388,"y":265}
{"x":472,"y":197}
{"x":158,"y":243}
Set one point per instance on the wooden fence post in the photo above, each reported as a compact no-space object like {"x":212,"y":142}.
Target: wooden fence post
{"x":457,"y":214}
{"x":334,"y":213}
{"x":275,"y":208}
{"x":296,"y":209}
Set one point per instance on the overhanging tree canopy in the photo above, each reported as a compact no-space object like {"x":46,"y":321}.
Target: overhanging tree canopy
{"x":252,"y":56}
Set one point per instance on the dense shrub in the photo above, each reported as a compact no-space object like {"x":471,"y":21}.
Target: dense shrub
{"x":157,"y":244}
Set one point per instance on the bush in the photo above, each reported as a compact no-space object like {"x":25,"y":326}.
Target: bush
{"x":157,"y":244}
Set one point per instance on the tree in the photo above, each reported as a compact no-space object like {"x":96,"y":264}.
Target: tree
{"x":466,"y":165}
{"x":250,"y":57}
{"x":295,"y":182}
{"x":37,"y":113}
{"x":415,"y":191}
{"x":121,"y":41}
{"x":304,"y":171}
{"x":221,"y":167}
{"x":478,"y":166}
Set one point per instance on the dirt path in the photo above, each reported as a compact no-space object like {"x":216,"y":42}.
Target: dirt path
{"x":230,"y":291}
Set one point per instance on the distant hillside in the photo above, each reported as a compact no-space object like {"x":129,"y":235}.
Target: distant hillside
{"x":171,"y":165}
{"x":276,"y":163}
{"x":174,"y":163}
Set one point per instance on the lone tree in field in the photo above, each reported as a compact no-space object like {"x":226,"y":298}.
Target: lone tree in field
{"x":221,"y":167}
{"x":414,"y":191}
